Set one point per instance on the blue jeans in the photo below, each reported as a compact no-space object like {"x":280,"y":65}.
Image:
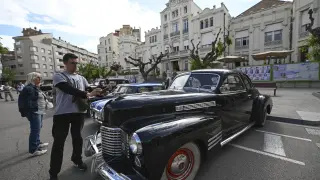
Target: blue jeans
{"x":35,"y":126}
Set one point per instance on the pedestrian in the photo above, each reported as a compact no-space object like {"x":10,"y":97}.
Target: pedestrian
{"x":1,"y":90}
{"x":20,"y":87}
{"x":7,"y":91}
{"x":32,"y":104}
{"x":70,"y":110}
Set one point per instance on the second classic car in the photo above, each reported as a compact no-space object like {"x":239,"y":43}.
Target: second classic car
{"x":97,"y":103}
{"x":168,"y":134}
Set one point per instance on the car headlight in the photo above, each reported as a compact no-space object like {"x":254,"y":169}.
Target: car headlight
{"x":135,"y":144}
{"x":102,"y":114}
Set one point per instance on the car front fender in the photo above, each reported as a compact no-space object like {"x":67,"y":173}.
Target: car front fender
{"x":161,"y":140}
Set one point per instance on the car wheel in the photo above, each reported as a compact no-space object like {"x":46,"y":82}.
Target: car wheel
{"x":262,"y":118}
{"x":183,"y":164}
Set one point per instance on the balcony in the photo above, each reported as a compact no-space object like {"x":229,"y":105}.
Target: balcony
{"x":166,"y":36}
{"x":303,"y":34}
{"x":242,"y":47}
{"x":174,"y":53}
{"x":177,"y":33}
{"x":273,"y":43}
{"x":185,"y":31}
{"x":185,"y":51}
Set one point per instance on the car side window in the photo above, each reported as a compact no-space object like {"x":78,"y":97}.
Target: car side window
{"x":232,"y":83}
{"x":131,"y":90}
{"x":122,"y":90}
{"x":247,"y":82}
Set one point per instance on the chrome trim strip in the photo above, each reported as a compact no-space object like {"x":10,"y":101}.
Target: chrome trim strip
{"x":106,"y":172}
{"x":237,"y":134}
{"x":216,"y":140}
{"x":187,"y":107}
{"x":215,"y":136}
{"x":210,"y":147}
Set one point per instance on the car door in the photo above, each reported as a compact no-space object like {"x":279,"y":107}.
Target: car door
{"x":252,"y":94}
{"x":234,"y":114}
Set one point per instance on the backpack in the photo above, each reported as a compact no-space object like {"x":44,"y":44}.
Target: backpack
{"x":82,"y":104}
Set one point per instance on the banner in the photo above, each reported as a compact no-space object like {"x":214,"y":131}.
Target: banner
{"x":257,"y":73}
{"x":296,"y":72}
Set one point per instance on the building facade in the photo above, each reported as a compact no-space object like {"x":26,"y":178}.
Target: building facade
{"x":41,"y":52}
{"x":111,"y":45}
{"x":263,"y":27}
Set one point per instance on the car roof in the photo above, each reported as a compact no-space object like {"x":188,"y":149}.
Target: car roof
{"x":221,"y":71}
{"x":142,"y":84}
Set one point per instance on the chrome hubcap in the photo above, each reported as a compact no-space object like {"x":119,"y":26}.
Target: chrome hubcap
{"x":179,"y":164}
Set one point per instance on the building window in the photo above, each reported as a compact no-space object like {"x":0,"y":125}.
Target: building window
{"x":45,"y":74}
{"x":109,"y":48}
{"x":98,"y":51}
{"x":50,"y":67}
{"x":273,"y":36}
{"x":186,"y":65}
{"x":176,"y":49}
{"x":20,"y":65}
{"x":106,"y":58}
{"x":35,"y":65}
{"x":106,"y":50}
{"x":211,"y":21}
{"x":49,"y":51}
{"x":175,"y":27}
{"x":185,"y":25}
{"x":34,"y":57}
{"x":155,"y":38}
{"x":21,"y":73}
{"x":185,"y":9}
{"x":43,"y":58}
{"x":33,"y":49}
{"x":186,"y":47}
{"x":50,"y":59}
{"x":109,"y":40}
{"x":13,"y":66}
{"x":150,"y":39}
{"x":105,"y":42}
{"x":242,"y":42}
{"x":18,"y":50}
{"x":201,"y":24}
{"x":278,"y":35}
{"x":42,"y":50}
{"x":175,"y":13}
{"x":165,"y":17}
{"x":206,"y":23}
{"x":44,"y":66}
{"x":303,"y":28}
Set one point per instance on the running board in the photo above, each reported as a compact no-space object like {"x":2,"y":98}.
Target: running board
{"x":236,"y":134}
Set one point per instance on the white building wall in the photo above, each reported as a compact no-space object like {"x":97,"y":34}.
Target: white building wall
{"x":301,"y":18}
{"x":108,"y":49}
{"x":248,"y":32}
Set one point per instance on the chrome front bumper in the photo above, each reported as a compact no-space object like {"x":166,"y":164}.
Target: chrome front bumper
{"x":91,"y":148}
{"x":96,"y":116}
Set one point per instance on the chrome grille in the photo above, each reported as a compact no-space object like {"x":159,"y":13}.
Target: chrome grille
{"x":114,"y":141}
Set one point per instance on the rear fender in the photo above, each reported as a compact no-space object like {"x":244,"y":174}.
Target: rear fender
{"x":161,"y":140}
{"x":259,"y":104}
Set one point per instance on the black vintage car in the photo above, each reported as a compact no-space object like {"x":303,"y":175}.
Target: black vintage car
{"x":167,"y":134}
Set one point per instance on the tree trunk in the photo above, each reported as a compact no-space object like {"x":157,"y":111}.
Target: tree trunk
{"x":144,"y":76}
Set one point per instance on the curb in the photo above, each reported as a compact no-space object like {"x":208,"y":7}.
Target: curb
{"x":316,"y":94}
{"x":293,"y":121}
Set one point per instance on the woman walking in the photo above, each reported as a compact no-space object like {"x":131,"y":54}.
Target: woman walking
{"x":32,"y":104}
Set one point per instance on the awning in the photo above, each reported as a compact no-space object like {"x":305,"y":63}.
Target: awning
{"x":277,"y":54}
{"x":232,"y":59}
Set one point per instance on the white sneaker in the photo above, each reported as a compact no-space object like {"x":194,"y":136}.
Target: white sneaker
{"x":39,"y":152}
{"x":42,"y":145}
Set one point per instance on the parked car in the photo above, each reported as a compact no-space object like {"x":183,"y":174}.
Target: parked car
{"x":167,"y":134}
{"x":97,"y":103}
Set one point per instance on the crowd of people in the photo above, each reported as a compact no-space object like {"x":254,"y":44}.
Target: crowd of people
{"x":6,"y":89}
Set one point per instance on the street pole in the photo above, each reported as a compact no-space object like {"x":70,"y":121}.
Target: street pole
{"x":224,"y":33}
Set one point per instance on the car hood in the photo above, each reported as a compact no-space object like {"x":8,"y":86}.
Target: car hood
{"x":146,"y":105}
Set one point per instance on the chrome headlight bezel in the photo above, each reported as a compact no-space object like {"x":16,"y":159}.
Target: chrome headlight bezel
{"x":135,"y":144}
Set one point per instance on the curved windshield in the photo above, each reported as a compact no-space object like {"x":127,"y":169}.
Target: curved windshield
{"x":203,"y":81}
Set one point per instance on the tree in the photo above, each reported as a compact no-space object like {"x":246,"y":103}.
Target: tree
{"x":314,"y":40}
{"x":153,"y":61}
{"x":8,"y":74}
{"x":3,"y":50}
{"x":91,"y":71}
{"x":217,"y":49}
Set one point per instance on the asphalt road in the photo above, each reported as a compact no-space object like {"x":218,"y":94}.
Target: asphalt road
{"x":277,"y":151}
